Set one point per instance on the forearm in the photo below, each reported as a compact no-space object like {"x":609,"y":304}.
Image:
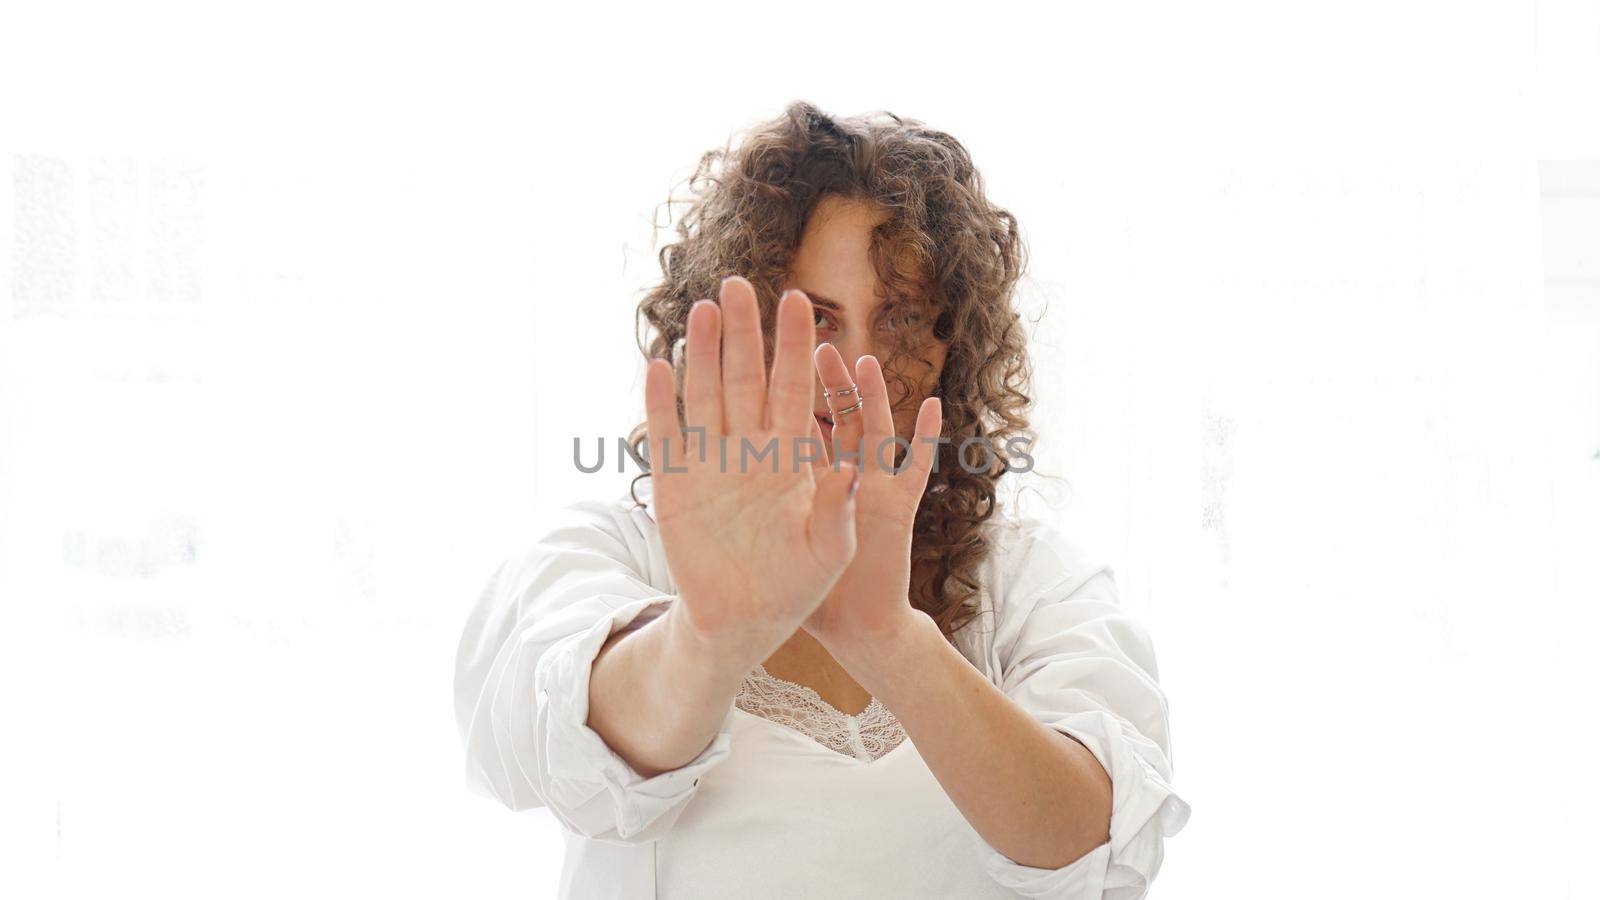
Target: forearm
{"x":1034,"y":794}
{"x":657,"y":696}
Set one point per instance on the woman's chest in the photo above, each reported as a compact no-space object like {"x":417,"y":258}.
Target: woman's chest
{"x":784,"y":816}
{"x":803,"y":661}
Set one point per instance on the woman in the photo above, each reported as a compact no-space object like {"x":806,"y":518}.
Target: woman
{"x":843,"y":675}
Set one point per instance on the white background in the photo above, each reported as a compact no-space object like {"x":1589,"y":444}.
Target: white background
{"x":304,"y":306}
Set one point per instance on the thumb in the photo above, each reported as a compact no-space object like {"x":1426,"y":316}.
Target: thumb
{"x":833,"y":516}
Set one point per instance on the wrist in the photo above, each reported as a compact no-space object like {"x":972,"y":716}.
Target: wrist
{"x":716,"y":658}
{"x":894,"y":643}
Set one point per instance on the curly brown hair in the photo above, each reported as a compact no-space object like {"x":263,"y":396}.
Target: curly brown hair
{"x":943,"y":249}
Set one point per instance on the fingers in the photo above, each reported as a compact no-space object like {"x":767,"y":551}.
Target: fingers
{"x":661,"y":416}
{"x":930,"y":421}
{"x":833,"y":518}
{"x":823,"y":456}
{"x":831,"y":368}
{"x":702,"y":382}
{"x":793,"y":377}
{"x":835,"y":378}
{"x":877,"y":421}
{"x":744,"y":365}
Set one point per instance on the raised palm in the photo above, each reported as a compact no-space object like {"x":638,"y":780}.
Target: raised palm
{"x":873,"y":593}
{"x":754,"y":535}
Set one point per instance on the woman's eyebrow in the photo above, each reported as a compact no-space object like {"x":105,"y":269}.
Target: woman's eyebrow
{"x":819,"y":300}
{"x":828,"y":303}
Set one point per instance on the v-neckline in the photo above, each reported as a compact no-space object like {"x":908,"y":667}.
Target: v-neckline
{"x":761,"y":670}
{"x":807,"y":740}
{"x":810,"y":695}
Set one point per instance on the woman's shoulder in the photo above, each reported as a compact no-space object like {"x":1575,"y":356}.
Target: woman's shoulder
{"x":604,"y":517}
{"x":1033,"y":564}
{"x":1032,"y":555}
{"x":603,"y":529}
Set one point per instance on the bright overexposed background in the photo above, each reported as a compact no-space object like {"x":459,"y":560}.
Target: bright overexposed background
{"x":304,"y":306}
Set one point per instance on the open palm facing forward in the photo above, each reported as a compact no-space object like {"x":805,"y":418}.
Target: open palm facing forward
{"x":755,"y":535}
{"x":872,"y":597}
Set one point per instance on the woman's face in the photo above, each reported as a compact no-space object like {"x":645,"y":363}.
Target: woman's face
{"x":833,"y":267}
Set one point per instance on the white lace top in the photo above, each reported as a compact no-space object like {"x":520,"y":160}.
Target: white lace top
{"x":867,"y":735}
{"x":792,"y":798}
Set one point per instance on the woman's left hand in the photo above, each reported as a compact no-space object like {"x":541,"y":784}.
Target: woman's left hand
{"x":871,"y":601}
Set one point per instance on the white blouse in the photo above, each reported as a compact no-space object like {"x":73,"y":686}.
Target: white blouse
{"x":789,"y":799}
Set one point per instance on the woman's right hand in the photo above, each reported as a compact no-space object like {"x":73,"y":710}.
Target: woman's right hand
{"x":754,"y":542}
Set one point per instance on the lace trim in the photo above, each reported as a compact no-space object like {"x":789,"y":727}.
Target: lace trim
{"x":867,"y":736}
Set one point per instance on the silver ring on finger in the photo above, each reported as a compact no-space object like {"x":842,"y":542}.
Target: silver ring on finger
{"x":848,"y":409}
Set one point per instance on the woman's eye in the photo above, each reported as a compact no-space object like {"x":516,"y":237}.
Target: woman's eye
{"x":823,"y":320}
{"x":910,"y":321}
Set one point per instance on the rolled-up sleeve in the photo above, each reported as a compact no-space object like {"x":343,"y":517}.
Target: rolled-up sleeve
{"x":522,"y":683}
{"x":1080,"y":665}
